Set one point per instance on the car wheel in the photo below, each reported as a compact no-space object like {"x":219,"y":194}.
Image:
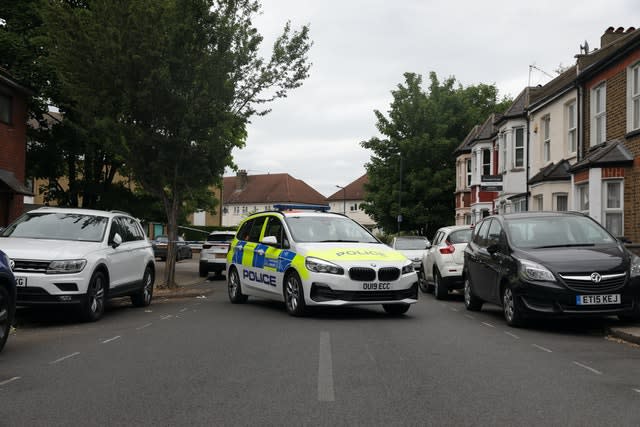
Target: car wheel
{"x":395,"y":309}
{"x":294,"y":295}
{"x":471,"y":302}
{"x":93,"y":306}
{"x":202,"y":271}
{"x":512,"y":308}
{"x":439,"y":288}
{"x":144,"y":296}
{"x":235,"y":289}
{"x":422,"y":281}
{"x":5,"y":316}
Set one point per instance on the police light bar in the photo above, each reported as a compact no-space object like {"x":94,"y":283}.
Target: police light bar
{"x":288,"y":207}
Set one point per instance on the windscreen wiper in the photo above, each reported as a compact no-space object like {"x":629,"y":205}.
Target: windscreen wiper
{"x":565,"y":245}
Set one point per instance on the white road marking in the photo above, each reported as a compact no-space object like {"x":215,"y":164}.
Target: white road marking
{"x":168,"y":316}
{"x":183,"y":310}
{"x":512,"y":335}
{"x":595,"y":371}
{"x":488,"y":324}
{"x":111,"y":339}
{"x":10,"y":380}
{"x":64,"y":358}
{"x":325,"y":370}
{"x":635,"y":389}
{"x":453,"y":309}
{"x":144,"y":326}
{"x":542,"y":348}
{"x":468,"y":316}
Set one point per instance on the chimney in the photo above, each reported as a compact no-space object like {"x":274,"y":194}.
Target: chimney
{"x":241,"y":180}
{"x":613,"y":34}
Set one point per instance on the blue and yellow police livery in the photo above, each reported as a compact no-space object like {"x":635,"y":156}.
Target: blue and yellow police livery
{"x":315,"y":258}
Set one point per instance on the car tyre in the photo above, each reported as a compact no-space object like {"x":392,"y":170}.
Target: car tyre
{"x":235,"y":288}
{"x":422,"y":281}
{"x":93,"y":305}
{"x":5,"y":315}
{"x":512,"y":308}
{"x":471,"y":302}
{"x":144,"y":296}
{"x":396,"y":309}
{"x":202,"y":271}
{"x":294,"y":295}
{"x":440,"y":290}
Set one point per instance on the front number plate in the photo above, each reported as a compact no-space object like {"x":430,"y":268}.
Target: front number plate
{"x":597,"y":299}
{"x":376,"y":286}
{"x":21,"y":281}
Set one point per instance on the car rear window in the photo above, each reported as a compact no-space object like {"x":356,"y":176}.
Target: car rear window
{"x":220,"y":237}
{"x":460,"y":236}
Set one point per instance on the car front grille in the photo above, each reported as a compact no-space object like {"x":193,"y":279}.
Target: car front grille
{"x":30,"y":266}
{"x":388,"y":274}
{"x":581,"y":282}
{"x":365,"y":274}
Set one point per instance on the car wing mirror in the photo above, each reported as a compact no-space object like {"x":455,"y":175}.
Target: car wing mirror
{"x":492,"y":249}
{"x":269,"y":240}
{"x":116,"y":241}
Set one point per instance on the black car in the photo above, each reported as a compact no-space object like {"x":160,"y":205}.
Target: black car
{"x":550,"y":264}
{"x":7,"y":298}
{"x":160,"y":243}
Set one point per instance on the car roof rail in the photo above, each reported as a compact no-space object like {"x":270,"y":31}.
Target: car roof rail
{"x":291,"y":207}
{"x":119,"y":211}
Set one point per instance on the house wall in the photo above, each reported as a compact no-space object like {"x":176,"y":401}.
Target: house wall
{"x":547,"y":191}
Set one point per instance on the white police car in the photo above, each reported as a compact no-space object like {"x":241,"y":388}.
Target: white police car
{"x":316,"y":258}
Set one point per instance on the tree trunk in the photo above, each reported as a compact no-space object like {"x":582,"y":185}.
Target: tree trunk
{"x":172,"y":234}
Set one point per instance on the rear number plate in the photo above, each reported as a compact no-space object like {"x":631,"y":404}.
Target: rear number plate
{"x":597,"y":299}
{"x":21,"y":281}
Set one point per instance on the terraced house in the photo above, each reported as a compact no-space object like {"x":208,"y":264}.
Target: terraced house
{"x":572,"y":144}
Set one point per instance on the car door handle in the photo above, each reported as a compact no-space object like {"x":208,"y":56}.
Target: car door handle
{"x":260,"y":252}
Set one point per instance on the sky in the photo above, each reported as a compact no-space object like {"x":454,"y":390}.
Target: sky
{"x":362,"y":48}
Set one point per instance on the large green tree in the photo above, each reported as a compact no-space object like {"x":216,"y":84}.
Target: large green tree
{"x":412,"y":168}
{"x":171,"y":85}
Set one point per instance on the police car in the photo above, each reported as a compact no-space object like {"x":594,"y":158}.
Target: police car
{"x":305,"y":256}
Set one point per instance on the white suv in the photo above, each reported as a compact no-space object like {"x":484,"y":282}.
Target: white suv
{"x":213,"y":256}
{"x":79,"y":257}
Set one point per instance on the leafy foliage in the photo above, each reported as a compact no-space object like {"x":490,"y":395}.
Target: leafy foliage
{"x":420,"y":133}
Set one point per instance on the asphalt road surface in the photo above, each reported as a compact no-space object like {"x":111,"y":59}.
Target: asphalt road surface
{"x":204,"y":361}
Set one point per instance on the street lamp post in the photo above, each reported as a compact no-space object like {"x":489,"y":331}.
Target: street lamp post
{"x":344,"y":199}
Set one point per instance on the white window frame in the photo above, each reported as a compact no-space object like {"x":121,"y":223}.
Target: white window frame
{"x":538,"y":201}
{"x":582,"y":198}
{"x":469,"y":173}
{"x":633,"y":97}
{"x":611,"y":211}
{"x":599,"y":114}
{"x":503,"y":157}
{"x":556,"y":206}
{"x":486,"y":165}
{"x":572,"y":129}
{"x":517,"y":147}
{"x":546,"y":138}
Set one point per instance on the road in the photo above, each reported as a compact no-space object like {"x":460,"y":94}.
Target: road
{"x":204,"y":361}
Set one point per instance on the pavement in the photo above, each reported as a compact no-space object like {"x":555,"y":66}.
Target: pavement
{"x":188,"y":281}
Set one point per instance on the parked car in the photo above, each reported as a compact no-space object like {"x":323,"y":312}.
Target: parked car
{"x":160,"y":243}
{"x":413,"y":247}
{"x":213,"y":256}
{"x":79,"y":257}
{"x":7,"y":298}
{"x":549,"y":264}
{"x":316,"y":259}
{"x":444,"y":261}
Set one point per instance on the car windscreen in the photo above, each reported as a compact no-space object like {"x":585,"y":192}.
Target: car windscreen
{"x":556,"y":231}
{"x":58,"y":226}
{"x":460,"y":236}
{"x":411,"y":244}
{"x":220,"y":237}
{"x":327,"y":229}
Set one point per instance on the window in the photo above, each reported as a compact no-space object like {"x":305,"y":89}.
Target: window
{"x":274,"y":228}
{"x":467,"y":219}
{"x":538,"y":202}
{"x":582,"y":193}
{"x":572,"y":135}
{"x":546,"y":138}
{"x":495,"y":233}
{"x":633,"y":97}
{"x":518,"y":152}
{"x":561,"y":202}
{"x":5,"y":108}
{"x":612,"y":204}
{"x":468,"y":172}
{"x":598,"y":114}
{"x":503,"y":157}
{"x":256,"y":229}
{"x":486,"y":162}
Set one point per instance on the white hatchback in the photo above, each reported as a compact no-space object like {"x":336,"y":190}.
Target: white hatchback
{"x":79,"y":257}
{"x":442,"y":263}
{"x":213,"y":256}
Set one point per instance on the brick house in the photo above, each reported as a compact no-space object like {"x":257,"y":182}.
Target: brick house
{"x":13,"y":143}
{"x":349,"y":200}
{"x":244,"y":194}
{"x":463,"y":178}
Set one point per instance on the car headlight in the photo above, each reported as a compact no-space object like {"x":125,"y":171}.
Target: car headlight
{"x":66,"y":266}
{"x":318,"y":265}
{"x":407,"y":268}
{"x":634,"y":270}
{"x":530,"y":270}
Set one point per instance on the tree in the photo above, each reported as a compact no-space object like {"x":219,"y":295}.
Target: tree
{"x":174,"y":82}
{"x":419,"y":136}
